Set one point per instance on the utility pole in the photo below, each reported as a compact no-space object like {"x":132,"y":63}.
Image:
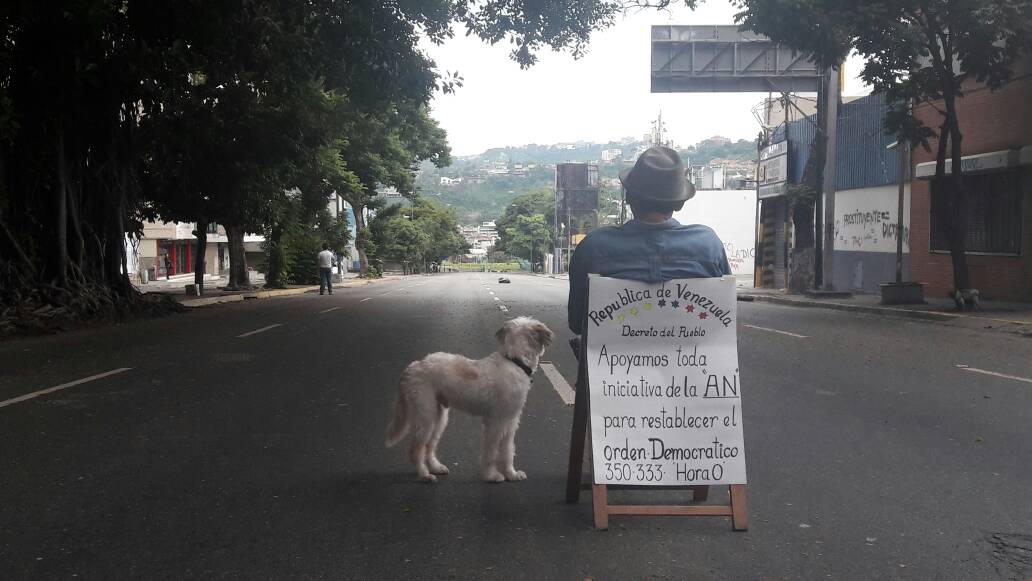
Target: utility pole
{"x":904,"y":177}
{"x":824,"y":218}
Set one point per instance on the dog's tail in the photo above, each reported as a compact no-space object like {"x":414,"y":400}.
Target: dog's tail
{"x":399,"y":425}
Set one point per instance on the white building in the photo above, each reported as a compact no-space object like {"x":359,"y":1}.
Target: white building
{"x":609,"y":155}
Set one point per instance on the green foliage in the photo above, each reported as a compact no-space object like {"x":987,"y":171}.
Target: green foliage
{"x":704,"y":152}
{"x":420,"y":234}
{"x":480,"y":266}
{"x":116,"y":111}
{"x":537,"y":202}
{"x":404,"y":241}
{"x":528,"y":237}
{"x":482,"y":196}
{"x":292,"y":252}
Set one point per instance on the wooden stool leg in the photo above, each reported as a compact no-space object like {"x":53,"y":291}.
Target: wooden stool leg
{"x":600,"y":506}
{"x":577,"y":437}
{"x":739,"y":508}
{"x":700,"y":493}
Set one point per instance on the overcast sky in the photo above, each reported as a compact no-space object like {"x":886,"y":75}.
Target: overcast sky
{"x":603,"y":96}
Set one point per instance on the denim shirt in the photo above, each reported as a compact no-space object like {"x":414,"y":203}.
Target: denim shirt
{"x":644,"y":252}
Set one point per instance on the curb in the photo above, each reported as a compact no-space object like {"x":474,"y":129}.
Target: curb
{"x":268,"y":294}
{"x":889,"y":311}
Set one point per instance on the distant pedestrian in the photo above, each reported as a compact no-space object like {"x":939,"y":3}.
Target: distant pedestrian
{"x":168,"y":267}
{"x":326,"y":261}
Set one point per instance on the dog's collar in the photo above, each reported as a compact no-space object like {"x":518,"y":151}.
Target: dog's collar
{"x":526,"y":368}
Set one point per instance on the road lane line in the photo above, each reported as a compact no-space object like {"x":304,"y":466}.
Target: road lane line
{"x":796,"y":335}
{"x":328,"y":310}
{"x":497,"y":299}
{"x":503,"y":308}
{"x":564,"y":390}
{"x":262,"y":330}
{"x":993,"y":373}
{"x":35,"y":394}
{"x":366,"y":299}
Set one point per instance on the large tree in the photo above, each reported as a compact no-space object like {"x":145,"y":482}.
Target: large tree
{"x":528,"y":237}
{"x":541,"y":201}
{"x":923,"y":53}
{"x":383,"y":149}
{"x":220,"y":83}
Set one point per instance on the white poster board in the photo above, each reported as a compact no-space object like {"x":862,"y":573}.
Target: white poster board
{"x":663,"y":382}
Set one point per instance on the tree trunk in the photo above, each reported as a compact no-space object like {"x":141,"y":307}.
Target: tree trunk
{"x":238,"y":278}
{"x":78,"y":246}
{"x":115,"y":263}
{"x":27,"y":268}
{"x":360,"y":238}
{"x":959,"y":208}
{"x":274,"y":275}
{"x":202,"y":247}
{"x":60,"y":243}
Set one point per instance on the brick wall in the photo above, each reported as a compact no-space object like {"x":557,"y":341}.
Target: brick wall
{"x":990,"y":121}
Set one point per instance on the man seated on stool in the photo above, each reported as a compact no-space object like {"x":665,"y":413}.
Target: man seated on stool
{"x":652,"y":246}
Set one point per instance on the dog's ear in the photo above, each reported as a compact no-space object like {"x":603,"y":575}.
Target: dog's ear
{"x":501,"y":333}
{"x":542,"y":334}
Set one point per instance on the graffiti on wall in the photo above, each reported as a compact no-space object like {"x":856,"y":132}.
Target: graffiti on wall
{"x":865,"y":221}
{"x":740,"y":259}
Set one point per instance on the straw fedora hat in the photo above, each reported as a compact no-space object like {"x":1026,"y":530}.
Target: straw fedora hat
{"x":657,"y":176}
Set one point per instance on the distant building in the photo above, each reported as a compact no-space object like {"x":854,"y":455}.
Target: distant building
{"x":707,"y":177}
{"x":390,"y":193}
{"x":447,"y":181}
{"x":717,"y":140}
{"x":577,"y":188}
{"x":609,"y":155}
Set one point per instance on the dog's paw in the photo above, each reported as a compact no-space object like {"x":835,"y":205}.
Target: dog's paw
{"x":515,"y":475}
{"x":427,"y":478}
{"x":438,"y":468}
{"x":494,"y":477}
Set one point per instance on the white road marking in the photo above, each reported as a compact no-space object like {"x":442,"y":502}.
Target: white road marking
{"x":366,"y":299}
{"x":256,"y":331}
{"x":35,"y":394}
{"x":796,"y":335}
{"x":993,"y":373}
{"x":564,"y":390}
{"x":497,"y":299}
{"x":503,"y":308}
{"x":328,"y":310}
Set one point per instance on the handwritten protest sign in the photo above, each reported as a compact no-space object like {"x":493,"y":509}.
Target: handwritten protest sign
{"x":663,"y":381}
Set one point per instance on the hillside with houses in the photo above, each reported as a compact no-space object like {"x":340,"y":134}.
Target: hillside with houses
{"x":479,"y":187}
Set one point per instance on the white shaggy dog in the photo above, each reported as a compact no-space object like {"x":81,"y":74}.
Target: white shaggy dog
{"x":494,"y":388}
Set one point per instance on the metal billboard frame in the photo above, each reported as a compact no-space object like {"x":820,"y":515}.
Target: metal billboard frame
{"x":726,"y":58}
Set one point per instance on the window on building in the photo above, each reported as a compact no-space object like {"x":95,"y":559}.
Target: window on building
{"x":994,"y":213}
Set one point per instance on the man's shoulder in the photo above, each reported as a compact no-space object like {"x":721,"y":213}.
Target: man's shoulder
{"x":601,"y":233}
{"x":699,"y":228}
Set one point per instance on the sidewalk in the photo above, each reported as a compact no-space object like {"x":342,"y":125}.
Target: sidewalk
{"x":1012,"y":316}
{"x":176,"y":287}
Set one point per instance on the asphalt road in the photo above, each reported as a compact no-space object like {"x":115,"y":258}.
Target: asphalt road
{"x":223,"y":453}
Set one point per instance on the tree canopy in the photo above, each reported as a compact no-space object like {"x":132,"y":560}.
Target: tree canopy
{"x":114,"y":112}
{"x":417,"y":235}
